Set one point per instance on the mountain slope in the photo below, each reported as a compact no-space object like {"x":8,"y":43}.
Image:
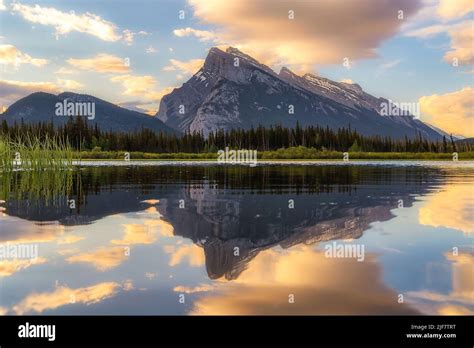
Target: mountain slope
{"x":233,"y":90}
{"x":41,"y":107}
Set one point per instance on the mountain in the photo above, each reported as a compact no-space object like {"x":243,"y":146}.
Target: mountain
{"x":233,"y":90}
{"x":41,"y":107}
{"x":465,"y":141}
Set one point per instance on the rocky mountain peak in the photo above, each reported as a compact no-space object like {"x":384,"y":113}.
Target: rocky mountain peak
{"x":232,"y":64}
{"x":234,"y":90}
{"x":287,"y":73}
{"x":237,"y":53}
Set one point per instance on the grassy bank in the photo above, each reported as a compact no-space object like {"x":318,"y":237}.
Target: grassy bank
{"x":48,"y":153}
{"x":293,"y":153}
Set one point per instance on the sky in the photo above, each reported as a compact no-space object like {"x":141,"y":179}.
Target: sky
{"x":134,"y":52}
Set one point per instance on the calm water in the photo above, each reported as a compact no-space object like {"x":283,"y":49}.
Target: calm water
{"x":201,"y":239}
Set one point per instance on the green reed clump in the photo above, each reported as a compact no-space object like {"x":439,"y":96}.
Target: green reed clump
{"x":34,"y":167}
{"x":6,"y":154}
{"x":33,"y":153}
{"x":36,"y":185}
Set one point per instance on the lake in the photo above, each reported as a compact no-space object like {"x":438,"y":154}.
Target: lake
{"x":311,"y":238}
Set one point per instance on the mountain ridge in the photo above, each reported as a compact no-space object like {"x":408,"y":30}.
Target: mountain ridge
{"x":41,"y":107}
{"x":233,"y":90}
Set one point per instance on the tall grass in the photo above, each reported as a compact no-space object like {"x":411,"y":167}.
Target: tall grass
{"x":42,"y":185}
{"x":34,"y":167}
{"x":6,"y":154}
{"x":32,"y":153}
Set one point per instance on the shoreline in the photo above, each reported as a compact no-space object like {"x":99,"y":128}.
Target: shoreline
{"x":269,"y":163}
{"x":330,"y":156}
{"x":303,"y":160}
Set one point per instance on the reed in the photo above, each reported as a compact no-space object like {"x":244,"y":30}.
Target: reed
{"x":6,"y":154}
{"x":28,"y":152}
{"x":44,"y":185}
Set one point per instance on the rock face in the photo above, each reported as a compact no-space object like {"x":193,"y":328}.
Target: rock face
{"x":41,"y":107}
{"x":233,"y":90}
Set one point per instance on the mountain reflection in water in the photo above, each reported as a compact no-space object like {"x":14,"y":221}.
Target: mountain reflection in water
{"x":228,"y":239}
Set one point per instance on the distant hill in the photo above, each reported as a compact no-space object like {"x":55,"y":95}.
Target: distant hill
{"x":41,"y":107}
{"x":465,"y":141}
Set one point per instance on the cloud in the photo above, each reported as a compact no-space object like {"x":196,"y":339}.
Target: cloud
{"x":9,"y":267}
{"x":462,"y":40}
{"x":138,"y":234}
{"x":149,"y":104}
{"x":202,"y":35}
{"x":449,"y":9}
{"x":150,"y":275}
{"x":427,"y":32}
{"x":192,"y":290}
{"x":192,"y":253}
{"x":63,"y":295}
{"x":390,"y":65}
{"x":69,"y":84}
{"x":142,"y":86}
{"x":440,"y":12}
{"x":187,"y":67}
{"x":438,"y":211}
{"x":139,"y":106}
{"x":322,"y":32}
{"x":320,"y":285}
{"x":16,"y":230}
{"x":11,"y":91}
{"x":347,"y":81}
{"x":438,"y":18}
{"x":103,"y":63}
{"x":10,"y":55}
{"x":65,"y":71}
{"x":454,"y":310}
{"x":102,"y":258}
{"x":69,"y":239}
{"x":128,"y":36}
{"x":166,"y":229}
{"x":384,"y":67}
{"x":68,"y":251}
{"x":452,"y":112}
{"x":151,"y":49}
{"x":158,"y":94}
{"x":135,"y":85}
{"x":460,"y":300}
{"x":10,"y":87}
{"x":66,"y":22}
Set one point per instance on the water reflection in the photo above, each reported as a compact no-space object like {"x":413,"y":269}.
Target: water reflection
{"x":452,"y":207}
{"x":63,"y":295}
{"x":458,"y":301}
{"x":318,"y":284}
{"x":230,"y":240}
